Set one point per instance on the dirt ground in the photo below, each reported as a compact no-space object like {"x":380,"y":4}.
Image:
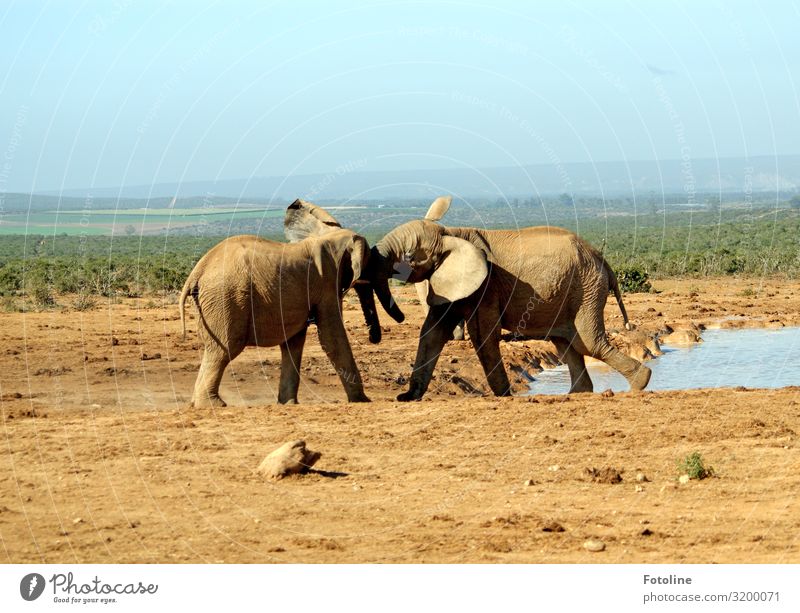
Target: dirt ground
{"x":102,"y":461}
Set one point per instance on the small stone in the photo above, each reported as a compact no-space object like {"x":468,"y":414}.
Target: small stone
{"x":638,"y":488}
{"x":683,"y":479}
{"x":529,"y":482}
{"x":554,"y":468}
{"x":77,"y":520}
{"x":608,"y":394}
{"x":594,"y":546}
{"x":642,"y":478}
{"x":646,"y":532}
{"x":356,"y":488}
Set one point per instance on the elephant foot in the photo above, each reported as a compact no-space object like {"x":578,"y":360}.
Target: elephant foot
{"x":210,"y":401}
{"x":409,"y":396}
{"x":287,"y":401}
{"x":640,"y":378}
{"x":582,"y":387}
{"x":359,"y":398}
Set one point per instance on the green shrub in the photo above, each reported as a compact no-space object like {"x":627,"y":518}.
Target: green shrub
{"x":694,"y":466}
{"x":633,"y":280}
{"x":84,"y":302}
{"x":42,"y":295}
{"x":10,"y":305}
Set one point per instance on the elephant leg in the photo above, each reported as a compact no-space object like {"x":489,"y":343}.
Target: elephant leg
{"x":484,"y":331}
{"x":291,"y":356}
{"x":333,"y":338}
{"x":436,"y":331}
{"x":206,"y":387}
{"x":423,"y":287}
{"x":637,"y":374}
{"x":579,"y":377}
{"x":590,"y":339}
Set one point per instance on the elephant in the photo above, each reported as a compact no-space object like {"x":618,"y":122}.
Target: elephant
{"x":250,"y":291}
{"x":537,"y":282}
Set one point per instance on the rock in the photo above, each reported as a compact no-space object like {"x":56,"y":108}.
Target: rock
{"x":683,"y":479}
{"x":289,"y":459}
{"x":77,"y":520}
{"x":682,"y":336}
{"x":638,"y":489}
{"x":529,"y":482}
{"x":552,"y":526}
{"x":554,"y":468}
{"x":604,"y":475}
{"x":608,"y":394}
{"x":642,"y":478}
{"x":637,"y":344}
{"x":594,"y":545}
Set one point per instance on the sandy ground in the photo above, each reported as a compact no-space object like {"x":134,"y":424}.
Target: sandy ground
{"x":102,"y":461}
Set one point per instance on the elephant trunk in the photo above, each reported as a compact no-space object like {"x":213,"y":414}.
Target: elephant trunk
{"x":367,"y":300}
{"x":379,"y":271}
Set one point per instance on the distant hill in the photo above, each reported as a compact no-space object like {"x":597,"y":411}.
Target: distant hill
{"x":756,"y":174}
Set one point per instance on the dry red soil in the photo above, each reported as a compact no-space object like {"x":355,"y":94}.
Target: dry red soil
{"x":101,"y":460}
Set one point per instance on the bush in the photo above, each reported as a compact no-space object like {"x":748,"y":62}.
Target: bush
{"x":84,"y":302}
{"x":42,"y":295}
{"x":694,"y":466}
{"x":633,"y":280}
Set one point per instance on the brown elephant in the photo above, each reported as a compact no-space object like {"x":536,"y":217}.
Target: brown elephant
{"x":254,"y":292}
{"x":539,"y":282}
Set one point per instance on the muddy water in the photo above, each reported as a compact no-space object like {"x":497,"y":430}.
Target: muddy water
{"x":753,"y":357}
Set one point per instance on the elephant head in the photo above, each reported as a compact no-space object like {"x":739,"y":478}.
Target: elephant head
{"x":351,"y":251}
{"x":425,"y":250}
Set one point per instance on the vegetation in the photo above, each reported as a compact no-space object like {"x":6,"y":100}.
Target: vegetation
{"x":694,"y":466}
{"x":633,"y":280}
{"x":640,"y":246}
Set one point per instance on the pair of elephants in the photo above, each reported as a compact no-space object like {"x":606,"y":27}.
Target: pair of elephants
{"x":539,"y":282}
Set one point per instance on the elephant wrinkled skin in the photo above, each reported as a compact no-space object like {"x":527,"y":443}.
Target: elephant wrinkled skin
{"x":539,"y":282}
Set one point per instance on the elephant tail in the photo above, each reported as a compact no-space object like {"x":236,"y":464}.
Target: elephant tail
{"x":613,"y":285}
{"x":190,"y":287}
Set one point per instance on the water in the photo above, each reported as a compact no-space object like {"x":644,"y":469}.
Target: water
{"x":752,"y":357}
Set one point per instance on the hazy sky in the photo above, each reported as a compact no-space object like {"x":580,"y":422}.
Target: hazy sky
{"x":124,"y":92}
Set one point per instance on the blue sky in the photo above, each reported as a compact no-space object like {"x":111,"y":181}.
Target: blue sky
{"x":124,"y":93}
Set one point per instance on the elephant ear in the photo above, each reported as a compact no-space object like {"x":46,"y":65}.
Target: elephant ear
{"x":459,"y":274}
{"x":359,"y":251}
{"x":304,"y":219}
{"x":438,"y":208}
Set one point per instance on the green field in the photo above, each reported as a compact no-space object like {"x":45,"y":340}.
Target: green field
{"x":130,"y":221}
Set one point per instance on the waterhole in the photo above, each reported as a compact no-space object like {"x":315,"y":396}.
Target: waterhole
{"x":751,"y":357}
